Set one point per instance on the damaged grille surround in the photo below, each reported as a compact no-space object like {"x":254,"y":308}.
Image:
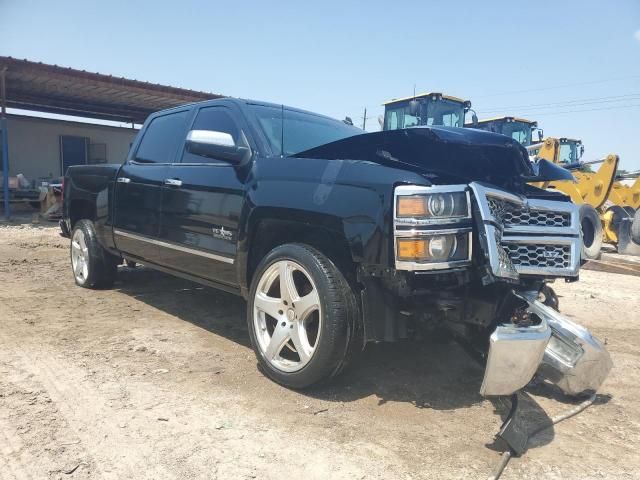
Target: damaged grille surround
{"x":528,"y":236}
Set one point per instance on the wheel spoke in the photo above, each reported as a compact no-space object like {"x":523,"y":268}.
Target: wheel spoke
{"x":85,"y":269}
{"x":278,"y":339}
{"x":307,"y":304}
{"x":75,"y":246}
{"x":298,"y":337}
{"x":77,"y":268}
{"x":288,"y":290}
{"x":268,"y":305}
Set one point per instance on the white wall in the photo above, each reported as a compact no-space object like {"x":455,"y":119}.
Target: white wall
{"x":34,"y":143}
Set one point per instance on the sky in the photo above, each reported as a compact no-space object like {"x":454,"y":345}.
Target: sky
{"x":574,"y":66}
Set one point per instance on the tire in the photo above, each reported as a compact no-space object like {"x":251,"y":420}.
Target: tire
{"x":618,"y":214}
{"x":549,"y":297}
{"x":305,"y":344}
{"x":92,"y":266}
{"x":591,"y":227}
{"x":635,"y":227}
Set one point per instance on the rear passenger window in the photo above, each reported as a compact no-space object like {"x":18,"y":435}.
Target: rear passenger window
{"x":217,"y":119}
{"x":162,"y":138}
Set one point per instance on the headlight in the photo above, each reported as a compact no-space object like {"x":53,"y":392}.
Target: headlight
{"x":432,"y":227}
{"x":436,"y":206}
{"x":434,"y":248}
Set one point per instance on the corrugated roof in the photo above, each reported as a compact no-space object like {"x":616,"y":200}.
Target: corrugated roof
{"x":54,"y":89}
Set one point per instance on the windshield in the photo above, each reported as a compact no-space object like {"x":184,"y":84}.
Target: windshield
{"x":442,"y":112}
{"x":302,"y":130}
{"x":519,"y":131}
{"x":569,"y":152}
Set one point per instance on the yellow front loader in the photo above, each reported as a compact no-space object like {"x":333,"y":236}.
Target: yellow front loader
{"x":606,"y":212}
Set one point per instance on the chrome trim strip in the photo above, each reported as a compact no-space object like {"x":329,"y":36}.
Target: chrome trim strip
{"x":180,"y":248}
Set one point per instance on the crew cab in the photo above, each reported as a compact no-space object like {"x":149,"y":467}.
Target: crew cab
{"x":338,"y":238}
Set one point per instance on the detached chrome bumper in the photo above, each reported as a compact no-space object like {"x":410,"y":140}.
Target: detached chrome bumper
{"x":574,"y":359}
{"x":558,"y":349}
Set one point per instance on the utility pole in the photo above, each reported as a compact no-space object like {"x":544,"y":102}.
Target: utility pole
{"x":364,"y":121}
{"x":4,"y":140}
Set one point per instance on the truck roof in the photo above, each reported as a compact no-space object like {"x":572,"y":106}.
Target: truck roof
{"x":508,"y":117}
{"x":422,"y":95}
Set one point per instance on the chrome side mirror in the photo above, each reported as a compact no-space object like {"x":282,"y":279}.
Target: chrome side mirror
{"x":217,"y":145}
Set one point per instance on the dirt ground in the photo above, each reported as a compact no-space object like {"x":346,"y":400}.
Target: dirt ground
{"x":155,"y":379}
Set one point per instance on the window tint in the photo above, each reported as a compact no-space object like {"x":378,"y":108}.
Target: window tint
{"x":162,"y":138}
{"x":302,"y":130}
{"x":217,"y":119}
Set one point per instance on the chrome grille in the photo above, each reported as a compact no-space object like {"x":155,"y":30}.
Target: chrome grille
{"x":513,"y":215}
{"x":542,"y":256}
{"x":528,"y":236}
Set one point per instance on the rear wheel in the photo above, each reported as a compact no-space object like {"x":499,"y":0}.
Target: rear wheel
{"x":591,"y":232}
{"x":92,"y":265}
{"x":300,"y":315}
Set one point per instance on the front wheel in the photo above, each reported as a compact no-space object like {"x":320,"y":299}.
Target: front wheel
{"x":300,"y":315}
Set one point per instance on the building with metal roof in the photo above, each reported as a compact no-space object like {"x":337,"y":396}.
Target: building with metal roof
{"x":46,"y":147}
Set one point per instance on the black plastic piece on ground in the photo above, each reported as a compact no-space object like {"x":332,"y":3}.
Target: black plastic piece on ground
{"x":64,"y":229}
{"x":512,"y":433}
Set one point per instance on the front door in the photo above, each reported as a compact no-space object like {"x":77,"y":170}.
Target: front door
{"x":201,"y":206}
{"x":139,"y":187}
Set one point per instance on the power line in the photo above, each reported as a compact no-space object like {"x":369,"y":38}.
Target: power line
{"x":566,"y":85}
{"x":582,"y":101}
{"x":619,"y":107}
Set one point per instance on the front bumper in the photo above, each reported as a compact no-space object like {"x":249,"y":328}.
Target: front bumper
{"x":558,"y":349}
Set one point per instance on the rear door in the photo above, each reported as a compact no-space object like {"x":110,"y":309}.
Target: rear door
{"x":201,"y":209}
{"x":138,"y":191}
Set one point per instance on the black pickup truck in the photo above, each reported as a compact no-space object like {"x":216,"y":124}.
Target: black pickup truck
{"x":337,"y":237}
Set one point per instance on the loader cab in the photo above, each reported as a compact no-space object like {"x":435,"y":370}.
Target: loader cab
{"x":570,"y":150}
{"x":427,"y":109}
{"x":524,"y":131}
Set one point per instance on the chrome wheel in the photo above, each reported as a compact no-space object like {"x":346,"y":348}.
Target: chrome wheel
{"x":287,"y":316}
{"x":79,"y":256}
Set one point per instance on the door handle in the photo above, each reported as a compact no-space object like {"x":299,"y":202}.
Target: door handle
{"x":174,"y":182}
{"x":124,"y":180}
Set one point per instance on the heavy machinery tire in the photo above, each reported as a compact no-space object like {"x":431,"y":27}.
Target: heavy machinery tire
{"x":92,"y":265}
{"x":635,"y":227}
{"x":301,"y":336}
{"x":618,"y":214}
{"x":591,"y":232}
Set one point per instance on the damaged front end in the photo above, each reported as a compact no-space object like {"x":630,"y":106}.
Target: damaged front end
{"x":510,"y":245}
{"x":553,"y":346}
{"x":532,"y":239}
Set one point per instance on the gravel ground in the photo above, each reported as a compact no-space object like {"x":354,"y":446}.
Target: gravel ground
{"x":155,"y":379}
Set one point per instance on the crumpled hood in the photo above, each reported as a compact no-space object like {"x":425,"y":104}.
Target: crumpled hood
{"x":443,"y":154}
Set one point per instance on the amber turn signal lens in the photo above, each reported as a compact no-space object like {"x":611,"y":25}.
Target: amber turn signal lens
{"x":412,"y":249}
{"x":411,"y":206}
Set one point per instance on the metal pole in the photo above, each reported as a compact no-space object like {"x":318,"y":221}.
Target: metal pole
{"x":5,"y":142}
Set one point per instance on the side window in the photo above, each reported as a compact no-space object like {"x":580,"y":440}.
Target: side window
{"x":162,"y":138}
{"x":217,"y":119}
